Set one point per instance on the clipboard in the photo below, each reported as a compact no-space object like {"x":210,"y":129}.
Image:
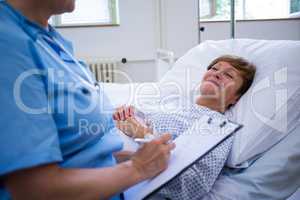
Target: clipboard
{"x":192,"y":145}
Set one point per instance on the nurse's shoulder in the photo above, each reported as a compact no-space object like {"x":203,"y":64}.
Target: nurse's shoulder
{"x":14,"y":42}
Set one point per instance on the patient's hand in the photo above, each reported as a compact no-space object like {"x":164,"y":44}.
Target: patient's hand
{"x":128,"y":124}
{"x":132,"y":128}
{"x":123,"y":113}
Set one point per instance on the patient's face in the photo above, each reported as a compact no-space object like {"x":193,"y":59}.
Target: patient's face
{"x":222,"y":82}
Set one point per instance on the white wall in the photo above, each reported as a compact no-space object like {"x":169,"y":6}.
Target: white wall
{"x":134,"y":38}
{"x":138,"y":35}
{"x":181,"y":25}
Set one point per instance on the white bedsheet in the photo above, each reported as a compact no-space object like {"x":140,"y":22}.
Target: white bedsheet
{"x":295,"y":196}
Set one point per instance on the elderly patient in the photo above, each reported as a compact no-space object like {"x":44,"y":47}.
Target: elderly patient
{"x":226,"y":80}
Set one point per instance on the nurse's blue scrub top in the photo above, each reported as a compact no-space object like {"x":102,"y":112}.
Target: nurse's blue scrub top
{"x":47,"y":114}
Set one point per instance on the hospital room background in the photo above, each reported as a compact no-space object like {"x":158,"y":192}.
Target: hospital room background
{"x":138,"y":41}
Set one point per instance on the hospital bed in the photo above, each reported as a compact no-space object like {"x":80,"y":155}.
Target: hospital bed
{"x":269,"y":112}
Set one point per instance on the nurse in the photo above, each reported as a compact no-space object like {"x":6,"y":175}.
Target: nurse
{"x":58,"y":139}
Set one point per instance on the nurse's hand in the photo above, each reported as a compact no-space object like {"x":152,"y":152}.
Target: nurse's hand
{"x":123,"y":113}
{"x":152,"y":158}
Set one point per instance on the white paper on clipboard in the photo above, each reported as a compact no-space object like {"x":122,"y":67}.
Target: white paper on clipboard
{"x":204,"y":134}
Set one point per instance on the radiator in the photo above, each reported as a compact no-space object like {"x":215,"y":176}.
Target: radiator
{"x":103,"y":69}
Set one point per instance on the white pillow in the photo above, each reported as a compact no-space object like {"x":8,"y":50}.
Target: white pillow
{"x":263,"y":109}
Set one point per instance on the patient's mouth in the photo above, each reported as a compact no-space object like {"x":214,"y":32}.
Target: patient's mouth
{"x":214,"y":82}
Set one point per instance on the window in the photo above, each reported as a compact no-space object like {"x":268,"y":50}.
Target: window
{"x":91,"y":12}
{"x":215,"y":10}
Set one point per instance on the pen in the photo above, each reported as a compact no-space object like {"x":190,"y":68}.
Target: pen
{"x":147,"y":138}
{"x":142,"y":140}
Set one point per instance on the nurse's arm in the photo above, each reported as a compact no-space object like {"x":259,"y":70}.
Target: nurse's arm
{"x":53,"y":182}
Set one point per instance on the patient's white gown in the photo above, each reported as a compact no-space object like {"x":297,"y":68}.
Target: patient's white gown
{"x":198,"y":179}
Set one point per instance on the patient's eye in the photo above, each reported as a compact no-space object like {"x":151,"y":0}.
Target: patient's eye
{"x":214,"y":68}
{"x":229,"y":75}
